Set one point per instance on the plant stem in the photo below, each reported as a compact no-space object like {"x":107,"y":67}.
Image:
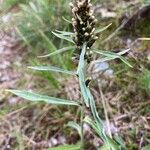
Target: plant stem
{"x":82,"y":128}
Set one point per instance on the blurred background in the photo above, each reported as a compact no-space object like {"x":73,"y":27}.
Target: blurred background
{"x":25,"y":34}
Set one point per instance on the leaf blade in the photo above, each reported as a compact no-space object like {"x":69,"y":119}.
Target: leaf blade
{"x":110,"y":56}
{"x":42,"y":98}
{"x":64,"y":37}
{"x":80,"y":72}
{"x":102,"y":29}
{"x":58,"y":51}
{"x":52,"y":68}
{"x":76,"y":126}
{"x":65,"y":32}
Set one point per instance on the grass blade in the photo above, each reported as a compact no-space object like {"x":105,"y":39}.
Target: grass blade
{"x":42,"y":98}
{"x":51,"y":68}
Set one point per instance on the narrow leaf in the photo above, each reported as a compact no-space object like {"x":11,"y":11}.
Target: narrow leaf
{"x":75,"y":126}
{"x":58,"y":51}
{"x":80,"y":72}
{"x":51,"y":68}
{"x":64,"y":32}
{"x":89,"y":121}
{"x":102,"y":29}
{"x":110,"y":56}
{"x":61,"y":36}
{"x":81,"y":60}
{"x":83,"y":87}
{"x":42,"y":98}
{"x":67,"y":20}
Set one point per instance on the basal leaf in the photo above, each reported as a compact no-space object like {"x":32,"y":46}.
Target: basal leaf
{"x":42,"y":98}
{"x":51,"y":68}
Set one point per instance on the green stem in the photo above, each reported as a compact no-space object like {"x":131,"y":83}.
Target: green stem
{"x":82,"y":128}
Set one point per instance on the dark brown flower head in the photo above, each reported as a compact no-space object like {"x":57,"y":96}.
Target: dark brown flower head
{"x":83,"y":22}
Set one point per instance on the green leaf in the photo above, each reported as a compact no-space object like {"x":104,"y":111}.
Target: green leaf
{"x":75,"y":126}
{"x":147,"y":147}
{"x":98,"y":121}
{"x":65,"y":37}
{"x":98,"y":124}
{"x":110,"y":147}
{"x":67,"y":20}
{"x":83,"y":87}
{"x":111,"y":56}
{"x":51,"y":68}
{"x":89,"y":121}
{"x":102,"y":29}
{"x":65,"y":33}
{"x":58,"y":51}
{"x":120,"y":141}
{"x":80,"y":72}
{"x":42,"y":98}
{"x":66,"y":147}
{"x":89,"y":101}
{"x":111,"y":144}
{"x":104,"y":147}
{"x":81,"y":60}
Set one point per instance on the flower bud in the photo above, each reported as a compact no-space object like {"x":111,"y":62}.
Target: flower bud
{"x":95,"y":38}
{"x":71,"y":5}
{"x":86,"y":34}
